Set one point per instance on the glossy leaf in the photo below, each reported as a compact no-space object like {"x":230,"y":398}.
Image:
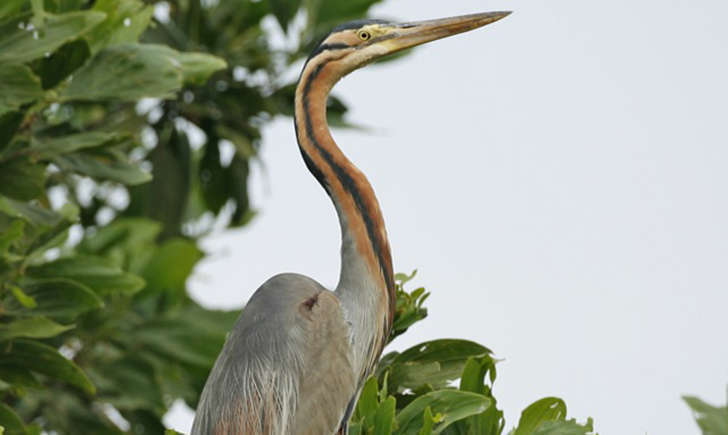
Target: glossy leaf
{"x":452,"y":405}
{"x":129,"y":384}
{"x":126,"y":72}
{"x":93,"y":272}
{"x":539,"y":412}
{"x":165,"y":198}
{"x":197,"y":67}
{"x":11,"y":7}
{"x":10,"y":421}
{"x":63,"y":62}
{"x":177,"y":339}
{"x":19,"y":377}
{"x":103,"y":166}
{"x":46,"y":360}
{"x":491,"y":421}
{"x":125,"y":21}
{"x":18,"y":86}
{"x":29,"y":212}
{"x":367,"y":405}
{"x":22,"y":179}
{"x":566,"y":427}
{"x":23,"y":299}
{"x":53,"y":146}
{"x":384,"y":417}
{"x":712,"y":420}
{"x":32,"y":327}
{"x":9,"y":124}
{"x":132,"y":71}
{"x":427,"y":422}
{"x":23,"y":44}
{"x":61,"y":298}
{"x":9,"y":235}
{"x":171,"y":265}
{"x":434,"y":363}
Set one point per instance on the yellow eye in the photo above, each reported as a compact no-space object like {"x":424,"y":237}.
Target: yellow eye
{"x":364,"y":35}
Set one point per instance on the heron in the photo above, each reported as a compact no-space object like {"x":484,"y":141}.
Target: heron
{"x":299,"y":354}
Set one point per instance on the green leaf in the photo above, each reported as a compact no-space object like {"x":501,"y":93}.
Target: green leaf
{"x":129,"y":383}
{"x":474,"y":374}
{"x":125,"y":21}
{"x":427,"y":422}
{"x":9,"y":124}
{"x":198,"y":67}
{"x":127,"y":72}
{"x":23,"y":45}
{"x":22,"y":179}
{"x":53,"y":146}
{"x":171,"y":265}
{"x":63,"y":62}
{"x":543,"y":410}
{"x":355,"y":428}
{"x":452,"y":405}
{"x":23,"y":299}
{"x":164,"y":199}
{"x":177,"y":340}
{"x":11,"y":7}
{"x":384,"y":417}
{"x":367,"y":405}
{"x":711,"y":419}
{"x":52,"y":237}
{"x":132,"y":71}
{"x":125,"y":238}
{"x":403,"y":278}
{"x":32,"y":327}
{"x":567,"y":427}
{"x":103,"y":167}
{"x":18,"y":86}
{"x":409,"y":309}
{"x":10,"y":421}
{"x":95,"y":273}
{"x":29,"y":212}
{"x":61,"y":298}
{"x":491,"y":421}
{"x":434,"y":363}
{"x":10,"y":235}
{"x":45,"y":360}
{"x":19,"y":377}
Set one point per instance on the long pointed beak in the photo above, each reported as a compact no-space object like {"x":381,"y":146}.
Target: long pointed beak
{"x":416,"y":33}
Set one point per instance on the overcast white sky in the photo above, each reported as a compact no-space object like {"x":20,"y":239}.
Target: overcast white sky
{"x":558,"y":179}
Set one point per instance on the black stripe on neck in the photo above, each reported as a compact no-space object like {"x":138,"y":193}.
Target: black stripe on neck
{"x":347,"y":181}
{"x":326,"y":47}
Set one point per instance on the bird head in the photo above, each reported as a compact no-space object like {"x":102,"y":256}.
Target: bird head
{"x":358,"y":43}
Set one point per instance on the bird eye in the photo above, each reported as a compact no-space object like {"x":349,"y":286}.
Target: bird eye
{"x":364,"y":35}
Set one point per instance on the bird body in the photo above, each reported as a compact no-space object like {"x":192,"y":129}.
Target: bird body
{"x":290,"y":343}
{"x":299,"y":354}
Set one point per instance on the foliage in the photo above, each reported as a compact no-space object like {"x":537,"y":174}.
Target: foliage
{"x":105,"y":189}
{"x":445,"y":387}
{"x":712,"y":420}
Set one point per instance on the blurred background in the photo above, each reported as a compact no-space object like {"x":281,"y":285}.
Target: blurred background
{"x":558,"y":180}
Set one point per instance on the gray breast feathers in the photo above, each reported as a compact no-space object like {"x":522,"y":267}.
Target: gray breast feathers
{"x":286,"y":366}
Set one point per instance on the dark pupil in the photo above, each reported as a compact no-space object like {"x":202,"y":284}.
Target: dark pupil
{"x":364,"y":35}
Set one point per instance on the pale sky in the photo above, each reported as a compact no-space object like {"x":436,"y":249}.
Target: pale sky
{"x":558,"y":179}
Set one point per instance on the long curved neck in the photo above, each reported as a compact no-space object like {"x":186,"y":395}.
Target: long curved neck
{"x":366,"y":283}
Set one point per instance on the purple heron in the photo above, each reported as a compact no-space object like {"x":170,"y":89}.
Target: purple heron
{"x":299,"y":354}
